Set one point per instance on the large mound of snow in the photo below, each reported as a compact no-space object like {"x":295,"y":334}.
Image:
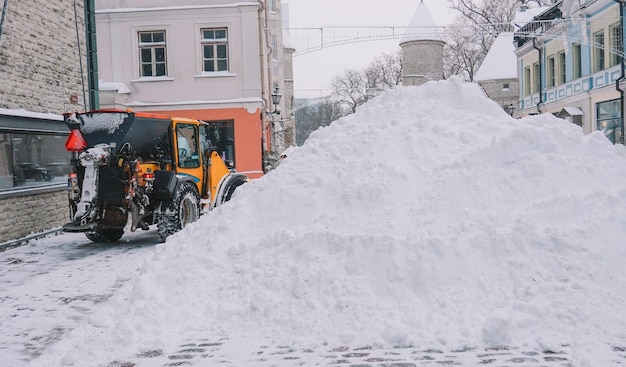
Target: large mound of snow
{"x":428,"y":218}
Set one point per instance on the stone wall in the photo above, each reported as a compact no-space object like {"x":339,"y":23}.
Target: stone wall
{"x":39,"y":58}
{"x":40,"y":71}
{"x":497,"y":91}
{"x":422,"y":61}
{"x":20,"y":216}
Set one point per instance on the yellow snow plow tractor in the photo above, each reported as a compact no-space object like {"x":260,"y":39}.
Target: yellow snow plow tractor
{"x":151,"y":169}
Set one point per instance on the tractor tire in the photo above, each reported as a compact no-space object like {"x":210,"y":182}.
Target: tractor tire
{"x":183,"y":209}
{"x":105,"y":235}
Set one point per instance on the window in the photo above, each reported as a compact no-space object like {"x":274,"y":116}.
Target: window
{"x":33,"y":159}
{"x":214,"y":49}
{"x":551,"y":79}
{"x":598,"y":51}
{"x":562,"y":68}
{"x":272,"y":5}
{"x":274,"y":48}
{"x":220,"y":136}
{"x":188,"y":156}
{"x":609,"y":119}
{"x":506,"y":87}
{"x":152,"y":54}
{"x":527,"y":81}
{"x":536,"y":81}
{"x":577,"y":60}
{"x":617,"y":44}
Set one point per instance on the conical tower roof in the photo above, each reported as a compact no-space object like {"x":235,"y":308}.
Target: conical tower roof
{"x":422,"y":27}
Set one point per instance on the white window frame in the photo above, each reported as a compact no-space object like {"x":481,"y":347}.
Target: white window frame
{"x":528,"y":89}
{"x":577,"y":61}
{"x":599,"y":58}
{"x":616,"y":42}
{"x":214,"y":43}
{"x":536,"y":75}
{"x":136,"y":57}
{"x":551,"y":69}
{"x":153,"y":47}
{"x":562,"y":69}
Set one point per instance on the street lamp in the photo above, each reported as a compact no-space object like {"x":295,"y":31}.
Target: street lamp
{"x":511,"y":109}
{"x":276,"y":96}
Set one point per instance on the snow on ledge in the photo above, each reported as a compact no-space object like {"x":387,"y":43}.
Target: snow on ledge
{"x":24,"y":113}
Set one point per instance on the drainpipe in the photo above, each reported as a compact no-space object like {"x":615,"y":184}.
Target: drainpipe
{"x":5,"y":10}
{"x":540,"y":74}
{"x":264,"y":95}
{"x":92,"y":54}
{"x":622,"y":76}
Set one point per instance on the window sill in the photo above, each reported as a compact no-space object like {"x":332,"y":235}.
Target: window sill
{"x":153,"y":79}
{"x":219,"y":74}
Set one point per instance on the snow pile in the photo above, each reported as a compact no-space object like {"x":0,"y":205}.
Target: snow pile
{"x":428,"y":218}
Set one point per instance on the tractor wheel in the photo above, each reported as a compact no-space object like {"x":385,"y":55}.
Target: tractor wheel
{"x":105,"y":235}
{"x":183,"y":209}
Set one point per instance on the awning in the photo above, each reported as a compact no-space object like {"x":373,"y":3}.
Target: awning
{"x":570,"y":111}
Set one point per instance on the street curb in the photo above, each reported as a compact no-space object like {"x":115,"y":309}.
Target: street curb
{"x":24,"y":240}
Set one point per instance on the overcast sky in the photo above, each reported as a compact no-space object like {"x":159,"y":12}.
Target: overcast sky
{"x":313,"y":71}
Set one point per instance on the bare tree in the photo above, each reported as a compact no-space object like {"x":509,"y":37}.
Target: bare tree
{"x":473,"y":32}
{"x":466,"y":48}
{"x":385,"y":72}
{"x":350,"y":88}
{"x":310,"y":118}
{"x":353,"y":88}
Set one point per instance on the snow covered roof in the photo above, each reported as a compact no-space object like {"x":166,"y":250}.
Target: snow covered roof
{"x":501,"y":61}
{"x":422,"y":27}
{"x":524,"y":15}
{"x":570,"y":111}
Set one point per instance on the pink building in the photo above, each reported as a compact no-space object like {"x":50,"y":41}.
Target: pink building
{"x":213,"y":60}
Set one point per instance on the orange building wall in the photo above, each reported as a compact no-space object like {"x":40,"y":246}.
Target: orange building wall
{"x":248,"y":147}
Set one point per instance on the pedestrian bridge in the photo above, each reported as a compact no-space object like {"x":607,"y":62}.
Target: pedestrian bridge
{"x":307,"y":40}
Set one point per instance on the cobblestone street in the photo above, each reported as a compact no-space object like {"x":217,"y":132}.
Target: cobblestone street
{"x":207,"y":353}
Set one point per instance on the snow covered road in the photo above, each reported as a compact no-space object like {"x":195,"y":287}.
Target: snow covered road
{"x":50,"y":284}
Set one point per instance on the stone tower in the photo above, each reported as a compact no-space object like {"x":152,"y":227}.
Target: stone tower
{"x":422,"y":49}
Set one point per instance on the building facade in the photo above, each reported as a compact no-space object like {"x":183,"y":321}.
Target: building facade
{"x":42,"y":75}
{"x":570,"y":63}
{"x":219,"y":61}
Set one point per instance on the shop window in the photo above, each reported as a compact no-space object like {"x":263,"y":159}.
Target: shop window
{"x":609,"y":119}
{"x":29,"y":159}
{"x":220,"y":136}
